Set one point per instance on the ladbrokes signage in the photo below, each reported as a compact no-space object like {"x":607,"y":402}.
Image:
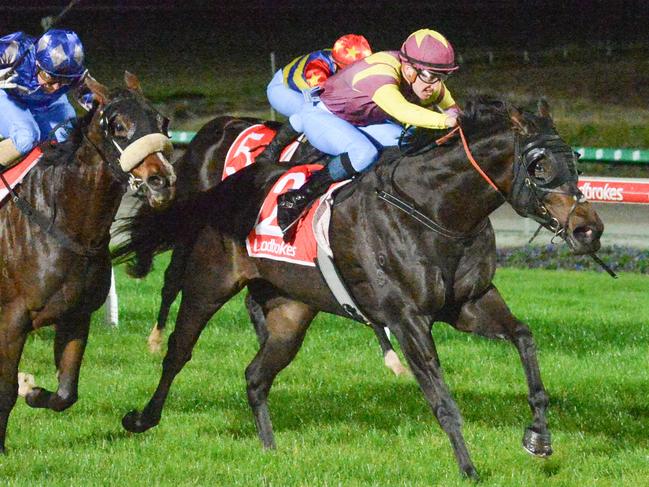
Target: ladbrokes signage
{"x":615,"y":190}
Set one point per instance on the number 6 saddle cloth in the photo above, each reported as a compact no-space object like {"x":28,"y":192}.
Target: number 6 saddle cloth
{"x":265,"y":240}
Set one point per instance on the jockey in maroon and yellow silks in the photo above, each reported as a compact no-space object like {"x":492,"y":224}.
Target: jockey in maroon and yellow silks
{"x":372,"y":91}
{"x":365,"y":107}
{"x":310,"y":70}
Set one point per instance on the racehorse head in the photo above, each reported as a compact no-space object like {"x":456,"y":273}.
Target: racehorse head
{"x":131,"y":136}
{"x":544,"y":184}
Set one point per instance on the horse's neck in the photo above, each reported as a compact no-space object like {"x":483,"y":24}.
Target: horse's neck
{"x":452,"y":191}
{"x":86,"y":197}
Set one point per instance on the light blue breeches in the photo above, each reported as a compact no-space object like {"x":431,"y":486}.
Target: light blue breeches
{"x":334,"y":136}
{"x":282,"y":98}
{"x":27,"y":126}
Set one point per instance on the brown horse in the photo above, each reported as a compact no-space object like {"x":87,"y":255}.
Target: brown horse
{"x":413,"y":243}
{"x":149,"y":231}
{"x":54,"y":234}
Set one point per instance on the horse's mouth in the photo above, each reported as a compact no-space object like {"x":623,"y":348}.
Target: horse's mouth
{"x":157,"y":197}
{"x":585,"y":239}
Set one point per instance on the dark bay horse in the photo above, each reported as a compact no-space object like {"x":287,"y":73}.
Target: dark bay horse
{"x":54,"y":234}
{"x":401,"y":273}
{"x":151,"y":231}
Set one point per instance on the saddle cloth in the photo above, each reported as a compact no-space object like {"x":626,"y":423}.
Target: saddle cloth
{"x":265,"y":239}
{"x":15,"y":174}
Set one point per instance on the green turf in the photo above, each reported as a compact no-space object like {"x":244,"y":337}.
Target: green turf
{"x":340,"y":417}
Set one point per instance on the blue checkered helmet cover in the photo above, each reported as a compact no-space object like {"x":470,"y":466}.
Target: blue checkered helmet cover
{"x":60,"y":53}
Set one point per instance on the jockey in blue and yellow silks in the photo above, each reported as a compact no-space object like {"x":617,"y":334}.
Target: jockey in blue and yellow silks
{"x":292,"y":86}
{"x":364,"y":108}
{"x":35,"y":76}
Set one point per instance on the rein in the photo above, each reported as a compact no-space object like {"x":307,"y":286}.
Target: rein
{"x":400,"y":200}
{"x":47,"y":225}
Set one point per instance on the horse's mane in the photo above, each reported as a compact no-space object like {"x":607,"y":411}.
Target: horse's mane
{"x":61,"y":153}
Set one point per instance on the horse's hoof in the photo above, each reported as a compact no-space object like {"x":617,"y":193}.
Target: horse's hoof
{"x":38,"y":398}
{"x":539,"y":444}
{"x":133,"y":422}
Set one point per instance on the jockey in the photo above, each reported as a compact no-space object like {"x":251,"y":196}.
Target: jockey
{"x":35,"y":76}
{"x":364,"y":107}
{"x":295,"y":84}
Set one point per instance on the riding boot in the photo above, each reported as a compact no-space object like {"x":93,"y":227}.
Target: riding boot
{"x":284,"y":136}
{"x":9,"y":155}
{"x":292,"y":204}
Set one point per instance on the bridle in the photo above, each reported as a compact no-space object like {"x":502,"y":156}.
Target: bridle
{"x":148,"y":144}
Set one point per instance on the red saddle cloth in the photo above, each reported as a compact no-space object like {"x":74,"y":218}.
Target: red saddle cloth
{"x":15,"y":174}
{"x":265,"y":239}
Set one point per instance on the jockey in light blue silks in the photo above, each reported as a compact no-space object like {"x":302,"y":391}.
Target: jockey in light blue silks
{"x":293,"y":86}
{"x":35,"y":76}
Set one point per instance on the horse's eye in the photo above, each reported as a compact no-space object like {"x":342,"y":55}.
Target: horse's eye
{"x":122,"y":128}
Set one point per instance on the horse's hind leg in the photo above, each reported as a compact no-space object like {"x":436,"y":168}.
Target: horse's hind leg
{"x":13,"y":332}
{"x":286,"y":324}
{"x":490,"y":317}
{"x":69,"y":346}
{"x":417,"y":344}
{"x":170,"y":289}
{"x":390,"y":357}
{"x":257,"y":318}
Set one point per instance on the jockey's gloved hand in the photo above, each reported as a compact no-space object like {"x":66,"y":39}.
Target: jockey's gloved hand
{"x":10,"y":80}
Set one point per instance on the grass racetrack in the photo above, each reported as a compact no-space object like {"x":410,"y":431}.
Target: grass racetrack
{"x":340,"y":417}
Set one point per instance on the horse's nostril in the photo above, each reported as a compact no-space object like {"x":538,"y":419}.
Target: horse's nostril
{"x":584,"y":234}
{"x":156,"y":182}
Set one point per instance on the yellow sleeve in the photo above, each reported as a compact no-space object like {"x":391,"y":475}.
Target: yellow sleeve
{"x":391,"y":101}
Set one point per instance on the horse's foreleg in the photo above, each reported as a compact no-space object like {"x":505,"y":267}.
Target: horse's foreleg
{"x":13,"y":332}
{"x":198,"y":304}
{"x":390,"y":357}
{"x":489,"y":316}
{"x":69,"y":347}
{"x":170,"y":289}
{"x":286,"y":325}
{"x":419,"y":349}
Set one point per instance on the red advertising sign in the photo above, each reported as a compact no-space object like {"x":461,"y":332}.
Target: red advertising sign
{"x":615,"y":190}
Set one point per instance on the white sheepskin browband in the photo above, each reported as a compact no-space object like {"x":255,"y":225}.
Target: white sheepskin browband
{"x":135,"y":153}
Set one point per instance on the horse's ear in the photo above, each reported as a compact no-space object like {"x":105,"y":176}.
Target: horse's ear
{"x":544,"y":108}
{"x":99,"y":91}
{"x":518,"y":120}
{"x":132,"y":82}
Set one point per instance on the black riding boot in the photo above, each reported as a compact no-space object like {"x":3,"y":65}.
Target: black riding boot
{"x":292,"y":204}
{"x":284,"y":136}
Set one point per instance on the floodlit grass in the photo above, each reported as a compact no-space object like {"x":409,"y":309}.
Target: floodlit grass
{"x":340,"y":417}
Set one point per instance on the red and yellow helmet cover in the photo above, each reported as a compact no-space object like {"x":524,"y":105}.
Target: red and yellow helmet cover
{"x":350,"y":48}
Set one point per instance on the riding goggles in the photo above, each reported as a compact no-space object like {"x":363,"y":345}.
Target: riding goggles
{"x":430,"y":77}
{"x":50,"y":79}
